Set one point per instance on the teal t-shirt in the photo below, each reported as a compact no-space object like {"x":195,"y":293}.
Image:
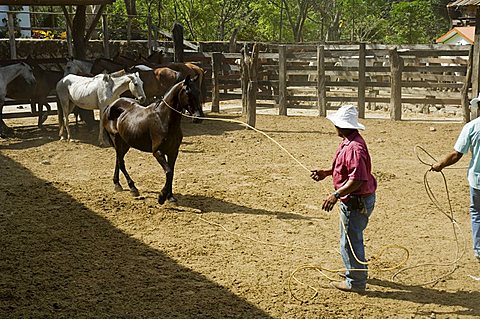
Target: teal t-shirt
{"x":470,"y":139}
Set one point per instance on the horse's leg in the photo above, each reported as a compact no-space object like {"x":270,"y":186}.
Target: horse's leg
{"x":42,"y":117}
{"x":172,"y":158}
{"x":66,"y":114}
{"x":2,"y":124}
{"x":4,"y":129}
{"x":101,"y":137}
{"x":63,"y":109}
{"x":166,"y":192}
{"x":121,"y":149}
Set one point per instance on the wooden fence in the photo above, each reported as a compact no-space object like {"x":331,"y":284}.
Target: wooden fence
{"x":422,"y":77}
{"x":419,"y":77}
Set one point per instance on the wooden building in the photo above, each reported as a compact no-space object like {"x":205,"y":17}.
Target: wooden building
{"x":467,"y":12}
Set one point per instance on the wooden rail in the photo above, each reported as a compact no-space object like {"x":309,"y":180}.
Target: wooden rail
{"x":326,"y":76}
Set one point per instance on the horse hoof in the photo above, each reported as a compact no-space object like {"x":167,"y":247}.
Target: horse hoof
{"x":135,"y":192}
{"x":161,"y":200}
{"x":118,"y":188}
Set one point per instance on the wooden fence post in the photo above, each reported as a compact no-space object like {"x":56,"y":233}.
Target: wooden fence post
{"x":282,"y":80}
{"x":476,"y":62}
{"x":244,"y":77}
{"x":396,"y":66}
{"x":361,"y":80}
{"x":252,"y":87}
{"x":466,"y":85}
{"x":11,"y":35}
{"x":177,"y":32}
{"x":216,"y":69}
{"x":149,"y":33}
{"x":321,"y":89}
{"x":106,"y":36}
{"x":129,"y":29}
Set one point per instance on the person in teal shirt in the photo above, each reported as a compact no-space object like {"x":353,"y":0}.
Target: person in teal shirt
{"x":469,"y":139}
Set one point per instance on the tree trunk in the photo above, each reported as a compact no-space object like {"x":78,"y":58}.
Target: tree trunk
{"x":78,"y":32}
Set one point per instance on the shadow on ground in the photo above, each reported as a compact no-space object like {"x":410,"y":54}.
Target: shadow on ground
{"x":59,"y":259}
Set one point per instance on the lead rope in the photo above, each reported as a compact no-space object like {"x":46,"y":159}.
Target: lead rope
{"x":322,"y":270}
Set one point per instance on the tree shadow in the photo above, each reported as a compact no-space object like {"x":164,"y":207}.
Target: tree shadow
{"x":424,"y":295}
{"x":30,"y":136}
{"x":61,"y":260}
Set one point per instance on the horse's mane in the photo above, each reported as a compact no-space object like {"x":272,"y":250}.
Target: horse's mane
{"x":167,"y":95}
{"x":118,"y":74}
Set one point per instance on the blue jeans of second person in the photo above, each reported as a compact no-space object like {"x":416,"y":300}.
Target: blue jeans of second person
{"x":475,"y":218}
{"x":354,"y":223}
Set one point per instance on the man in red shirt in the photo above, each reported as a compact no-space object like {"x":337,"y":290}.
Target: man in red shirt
{"x":355,"y":187}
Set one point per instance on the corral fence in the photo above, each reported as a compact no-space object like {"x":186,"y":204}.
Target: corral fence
{"x":421,"y":78}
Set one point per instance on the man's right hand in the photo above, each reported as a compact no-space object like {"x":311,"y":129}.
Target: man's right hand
{"x":318,"y":175}
{"x":437,"y":167}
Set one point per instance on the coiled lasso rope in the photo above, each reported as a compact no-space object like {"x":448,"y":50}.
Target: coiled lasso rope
{"x":376,"y":259}
{"x":448,"y":213}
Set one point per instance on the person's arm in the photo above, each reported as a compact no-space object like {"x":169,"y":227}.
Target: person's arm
{"x":450,"y":159}
{"x":349,"y":187}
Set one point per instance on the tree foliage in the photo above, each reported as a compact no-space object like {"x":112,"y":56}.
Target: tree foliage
{"x":383,"y":21}
{"x":380,"y":21}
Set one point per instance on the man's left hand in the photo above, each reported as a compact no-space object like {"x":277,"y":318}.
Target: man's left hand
{"x":329,"y":203}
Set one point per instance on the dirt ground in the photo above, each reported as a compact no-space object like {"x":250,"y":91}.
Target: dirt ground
{"x":248,"y":216}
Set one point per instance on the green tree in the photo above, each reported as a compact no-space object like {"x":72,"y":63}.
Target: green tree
{"x":414,"y":22}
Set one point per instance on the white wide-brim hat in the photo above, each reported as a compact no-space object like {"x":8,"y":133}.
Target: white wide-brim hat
{"x":346,"y":117}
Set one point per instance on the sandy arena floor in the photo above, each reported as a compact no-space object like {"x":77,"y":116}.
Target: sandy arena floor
{"x":248,"y":217}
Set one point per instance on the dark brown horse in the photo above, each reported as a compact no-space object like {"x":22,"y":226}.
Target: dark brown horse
{"x":103,"y":64}
{"x":155,"y":129}
{"x":46,"y":80}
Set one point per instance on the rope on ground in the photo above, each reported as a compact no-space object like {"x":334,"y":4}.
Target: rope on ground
{"x":448,"y":213}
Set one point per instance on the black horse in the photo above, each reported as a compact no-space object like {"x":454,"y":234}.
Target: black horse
{"x":155,"y":129}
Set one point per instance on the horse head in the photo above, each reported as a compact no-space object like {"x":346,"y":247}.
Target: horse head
{"x":136,"y":86}
{"x":190,"y":99}
{"x":27,"y":73}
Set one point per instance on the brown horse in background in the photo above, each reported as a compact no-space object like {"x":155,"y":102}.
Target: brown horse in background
{"x":158,"y":59}
{"x":155,"y":129}
{"x":156,"y":82}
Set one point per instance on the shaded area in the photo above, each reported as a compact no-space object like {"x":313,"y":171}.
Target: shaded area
{"x":59,"y":259}
{"x":31,"y":136}
{"x":427,"y":296}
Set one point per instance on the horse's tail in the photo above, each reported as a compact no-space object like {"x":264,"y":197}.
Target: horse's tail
{"x":109,"y":125}
{"x":203,"y":85}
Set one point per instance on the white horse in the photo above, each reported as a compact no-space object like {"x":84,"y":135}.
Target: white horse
{"x":7,"y":74}
{"x":91,"y":93}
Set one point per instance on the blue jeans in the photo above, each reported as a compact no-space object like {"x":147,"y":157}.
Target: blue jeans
{"x":475,"y":217}
{"x":355,"y":222}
